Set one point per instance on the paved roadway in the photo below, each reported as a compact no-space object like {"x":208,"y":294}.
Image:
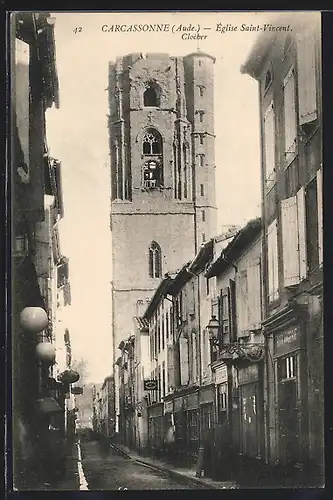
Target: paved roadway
{"x":106,"y":469}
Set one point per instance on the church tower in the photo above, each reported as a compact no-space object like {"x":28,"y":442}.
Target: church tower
{"x":161,"y":139}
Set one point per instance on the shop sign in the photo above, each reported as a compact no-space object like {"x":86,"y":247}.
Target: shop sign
{"x":150,"y":385}
{"x":287,"y":340}
{"x":221,"y":375}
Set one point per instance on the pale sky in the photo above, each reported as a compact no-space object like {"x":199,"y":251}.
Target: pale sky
{"x":78,"y":136}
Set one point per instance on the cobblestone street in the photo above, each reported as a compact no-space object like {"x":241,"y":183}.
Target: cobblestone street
{"x":105,"y":469}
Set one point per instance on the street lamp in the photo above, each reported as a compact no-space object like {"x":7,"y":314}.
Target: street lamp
{"x":213,"y":328}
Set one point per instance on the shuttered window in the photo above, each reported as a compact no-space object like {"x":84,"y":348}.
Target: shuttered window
{"x":232,"y":311}
{"x":242,"y":301}
{"x":170,"y":368}
{"x":254,"y":295}
{"x":225,"y":314}
{"x":194,"y":357}
{"x":306,"y":72}
{"x":293,"y":239}
{"x":272,"y":261}
{"x":205,"y":351}
{"x":269,"y":146}
{"x":191,"y":299}
{"x":290,"y":126}
{"x":320,"y":213}
{"x":184,"y":371}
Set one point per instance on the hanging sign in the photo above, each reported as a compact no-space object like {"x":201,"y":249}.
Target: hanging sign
{"x":150,"y":385}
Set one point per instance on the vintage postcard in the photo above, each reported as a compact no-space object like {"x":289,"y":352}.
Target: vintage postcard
{"x":167,"y":250}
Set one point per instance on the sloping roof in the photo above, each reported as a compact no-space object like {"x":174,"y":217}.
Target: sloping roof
{"x":298,"y":21}
{"x":182,"y":277}
{"x":157,"y":297}
{"x":203,"y":256}
{"x":236,"y":246}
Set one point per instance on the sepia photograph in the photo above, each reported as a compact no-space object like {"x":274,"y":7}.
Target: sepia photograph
{"x":166,"y":250}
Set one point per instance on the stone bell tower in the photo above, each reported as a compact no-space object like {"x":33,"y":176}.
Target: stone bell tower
{"x":161,"y":139}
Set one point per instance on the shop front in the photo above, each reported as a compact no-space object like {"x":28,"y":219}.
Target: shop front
{"x":288,"y":361}
{"x":156,"y":428}
{"x":180,"y":424}
{"x":251,"y":431}
{"x":222,"y":396}
{"x":192,"y":419}
{"x":207,"y":410}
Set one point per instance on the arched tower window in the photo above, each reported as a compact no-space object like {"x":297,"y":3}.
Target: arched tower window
{"x":155,"y":260}
{"x":152,"y":150}
{"x":152,"y":142}
{"x":151,"y":96}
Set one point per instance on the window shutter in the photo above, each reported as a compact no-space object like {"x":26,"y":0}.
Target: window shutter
{"x":191,"y":299}
{"x":301,"y":233}
{"x":320,"y":213}
{"x":254,"y":297}
{"x":273,"y":263}
{"x":194,"y":356}
{"x":216,"y":308}
{"x":21,"y":93}
{"x":242,"y":301}
{"x":306,"y":70}
{"x":290,"y":130}
{"x":269,"y":140}
{"x":184,"y":372}
{"x":232,"y":310}
{"x":290,"y":241}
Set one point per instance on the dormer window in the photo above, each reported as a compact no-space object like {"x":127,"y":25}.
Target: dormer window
{"x":151,"y":96}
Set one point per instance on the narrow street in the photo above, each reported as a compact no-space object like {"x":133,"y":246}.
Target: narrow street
{"x":108,"y":470}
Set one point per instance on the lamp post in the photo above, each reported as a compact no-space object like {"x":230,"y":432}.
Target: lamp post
{"x":214,"y":332}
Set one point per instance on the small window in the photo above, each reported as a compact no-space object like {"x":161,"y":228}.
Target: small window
{"x":155,"y":260}
{"x":201,"y":139}
{"x":201,"y":116}
{"x":202,"y":191}
{"x":201,"y":90}
{"x":202,"y":160}
{"x":203,"y":215}
{"x":199,"y":62}
{"x":203,"y":237}
{"x":207,"y":286}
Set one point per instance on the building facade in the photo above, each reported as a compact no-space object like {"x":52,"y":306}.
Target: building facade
{"x":288,"y":71}
{"x":161,"y":139}
{"x":38,"y":396}
{"x":237,"y":349}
